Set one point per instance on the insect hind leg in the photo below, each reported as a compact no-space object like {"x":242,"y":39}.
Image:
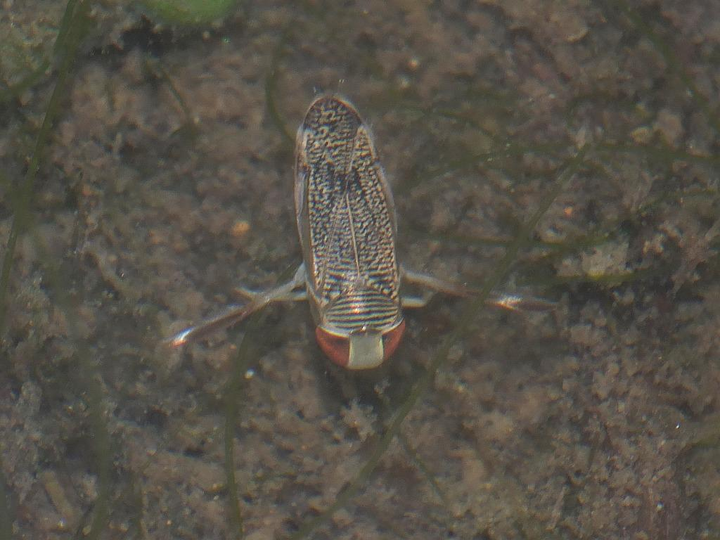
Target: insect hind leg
{"x":432,"y":285}
{"x":417,"y":302}
{"x":236,"y":314}
{"x":252,"y":296}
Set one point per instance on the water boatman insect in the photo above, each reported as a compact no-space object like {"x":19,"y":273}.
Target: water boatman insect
{"x":346,"y":221}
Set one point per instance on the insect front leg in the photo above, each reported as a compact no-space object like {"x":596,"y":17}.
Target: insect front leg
{"x":235,"y":314}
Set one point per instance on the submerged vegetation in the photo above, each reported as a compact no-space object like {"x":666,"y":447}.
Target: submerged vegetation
{"x":190,"y":12}
{"x":592,"y":183}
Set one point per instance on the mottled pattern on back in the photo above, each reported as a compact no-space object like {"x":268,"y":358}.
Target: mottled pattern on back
{"x":351,"y":222}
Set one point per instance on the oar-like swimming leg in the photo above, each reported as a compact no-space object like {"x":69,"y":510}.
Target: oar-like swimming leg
{"x":234,"y":314}
{"x":431,"y":285}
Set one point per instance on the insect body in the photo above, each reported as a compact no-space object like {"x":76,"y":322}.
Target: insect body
{"x":346,"y":220}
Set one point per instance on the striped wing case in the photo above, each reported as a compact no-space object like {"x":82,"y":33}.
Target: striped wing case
{"x":346,"y":219}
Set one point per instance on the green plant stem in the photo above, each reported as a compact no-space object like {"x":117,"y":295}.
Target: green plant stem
{"x":231,"y":398}
{"x":72,"y":29}
{"x":271,"y":86}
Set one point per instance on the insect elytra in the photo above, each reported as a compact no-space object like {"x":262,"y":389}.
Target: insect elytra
{"x":346,"y":221}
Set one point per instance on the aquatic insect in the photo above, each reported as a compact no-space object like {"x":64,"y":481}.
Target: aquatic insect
{"x":347,"y":226}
